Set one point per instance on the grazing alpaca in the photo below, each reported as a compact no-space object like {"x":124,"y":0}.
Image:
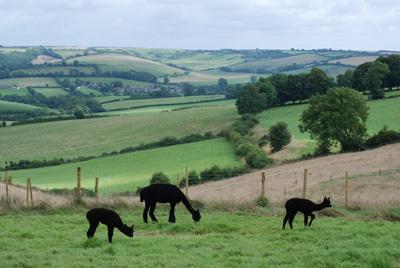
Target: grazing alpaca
{"x":305,"y":206}
{"x":165,"y":193}
{"x":109,"y":218}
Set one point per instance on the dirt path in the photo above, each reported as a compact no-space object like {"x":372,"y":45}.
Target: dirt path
{"x":321,"y":170}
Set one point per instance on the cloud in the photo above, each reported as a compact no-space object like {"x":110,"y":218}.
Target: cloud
{"x":357,"y":24}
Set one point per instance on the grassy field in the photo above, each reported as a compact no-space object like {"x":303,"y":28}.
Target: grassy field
{"x":30,"y":81}
{"x":86,"y":90}
{"x":51,"y":91}
{"x":73,"y":138}
{"x":355,"y":60}
{"x":211,"y":77}
{"x":59,"y":69}
{"x":109,"y":80}
{"x":119,"y":62}
{"x":167,"y":108}
{"x":14,"y":91}
{"x":125,"y":104}
{"x":220,"y":239}
{"x":111,"y":98}
{"x":7,"y":107}
{"x":127,"y":171}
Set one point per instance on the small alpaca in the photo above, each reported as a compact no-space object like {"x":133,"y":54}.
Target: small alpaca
{"x":305,"y":206}
{"x":109,"y":218}
{"x":165,"y":193}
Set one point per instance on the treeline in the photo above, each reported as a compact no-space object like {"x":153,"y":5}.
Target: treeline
{"x":164,"y":142}
{"x":371,"y":78}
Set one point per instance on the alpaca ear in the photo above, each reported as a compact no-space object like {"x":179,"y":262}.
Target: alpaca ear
{"x":132,"y":226}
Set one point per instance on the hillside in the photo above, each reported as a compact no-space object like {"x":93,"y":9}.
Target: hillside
{"x":325,"y":178}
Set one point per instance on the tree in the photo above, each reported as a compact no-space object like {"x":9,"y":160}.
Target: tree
{"x":222,"y":84}
{"x":253,"y":79}
{"x":250,"y":100}
{"x":279,"y":81}
{"x":4,"y":124}
{"x":338,"y":116}
{"x":392,"y":79}
{"x":279,"y":136}
{"x":79,"y":114}
{"x":359,"y":76}
{"x":75,"y":63}
{"x":346,"y":79}
{"x":265,"y":86}
{"x":166,"y":79}
{"x":188,"y":89}
{"x":374,"y":79}
{"x":318,"y":82}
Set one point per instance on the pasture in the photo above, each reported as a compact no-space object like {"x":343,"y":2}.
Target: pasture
{"x":51,"y":91}
{"x":14,"y":91}
{"x":126,"y":104}
{"x":72,"y":138}
{"x":223,"y":239}
{"x":109,"y":80}
{"x":38,"y":70}
{"x":7,"y":107}
{"x":127,"y":171}
{"x":211,"y":77}
{"x":120,"y":62}
{"x":30,"y":81}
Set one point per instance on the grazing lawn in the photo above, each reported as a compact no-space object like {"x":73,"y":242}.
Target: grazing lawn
{"x":7,"y":107}
{"x":220,"y":239}
{"x":51,"y":91}
{"x":127,"y":171}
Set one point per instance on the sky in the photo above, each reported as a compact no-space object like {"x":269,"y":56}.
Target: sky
{"x":203,"y":24}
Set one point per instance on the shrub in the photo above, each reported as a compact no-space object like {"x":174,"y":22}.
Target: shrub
{"x":262,"y":201}
{"x":263,"y":141}
{"x":193,"y":177}
{"x":216,"y":173}
{"x":159,"y":177}
{"x":279,"y":136}
{"x":384,"y":136}
{"x":257,"y":158}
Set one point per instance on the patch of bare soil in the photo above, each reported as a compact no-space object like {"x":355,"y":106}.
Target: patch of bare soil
{"x":42,"y":59}
{"x":286,"y":180}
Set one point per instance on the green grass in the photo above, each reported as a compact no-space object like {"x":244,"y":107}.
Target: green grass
{"x":125,"y":104}
{"x":127,"y":171}
{"x":13,"y":91}
{"x":109,"y":80}
{"x":211,"y":77}
{"x":220,"y":239}
{"x":7,"y":107}
{"x":111,"y":98}
{"x":59,"y":69}
{"x":355,"y":61}
{"x":73,"y":138}
{"x":86,"y":90}
{"x":51,"y":91}
{"x":120,"y":62}
{"x":30,"y":81}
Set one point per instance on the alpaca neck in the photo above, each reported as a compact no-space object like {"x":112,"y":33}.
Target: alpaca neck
{"x":319,"y":206}
{"x":185,"y":201}
{"x":124,"y":229}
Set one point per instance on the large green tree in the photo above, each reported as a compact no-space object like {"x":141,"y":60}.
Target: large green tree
{"x":346,"y":79}
{"x":318,"y":82}
{"x":279,"y":81}
{"x":337,"y":117}
{"x":374,"y":79}
{"x":359,"y":76}
{"x":392,"y":79}
{"x":265,"y":86}
{"x":250,"y":100}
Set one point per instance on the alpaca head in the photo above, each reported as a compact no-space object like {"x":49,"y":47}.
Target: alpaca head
{"x":129,"y":230}
{"x":196,"y":215}
{"x":327,"y":202}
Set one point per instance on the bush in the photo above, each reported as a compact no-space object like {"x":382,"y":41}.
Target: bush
{"x":193,"y":178}
{"x":257,"y":158}
{"x":159,"y":177}
{"x":262,"y":201}
{"x":279,"y":136}
{"x":384,"y":136}
{"x":216,"y":173}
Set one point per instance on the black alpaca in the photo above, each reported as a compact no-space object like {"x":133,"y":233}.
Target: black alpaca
{"x":165,"y":193}
{"x":109,"y":218}
{"x":305,"y":206}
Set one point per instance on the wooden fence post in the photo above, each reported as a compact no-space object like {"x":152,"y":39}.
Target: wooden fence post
{"x":27,"y":192}
{"x":263,"y":184}
{"x":177,"y":180}
{"x":78,"y":183}
{"x":186,"y":183}
{"x":7,"y":193}
{"x":96,"y":188}
{"x":30,"y":190}
{"x":305,"y":183}
{"x":346,"y":186}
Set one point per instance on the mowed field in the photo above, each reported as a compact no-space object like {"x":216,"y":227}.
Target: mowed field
{"x":211,"y":77}
{"x":220,"y":239}
{"x":127,"y":171}
{"x":120,"y":62}
{"x":126,"y":104}
{"x":74,"y":138}
{"x":8,"y":107}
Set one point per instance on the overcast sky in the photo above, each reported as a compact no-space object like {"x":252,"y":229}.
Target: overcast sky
{"x":203,"y":24}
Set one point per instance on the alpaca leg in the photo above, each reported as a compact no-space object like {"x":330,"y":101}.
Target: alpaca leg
{"x":110,"y":233}
{"x":312,"y":218}
{"x":285,"y":220}
{"x":152,"y":216}
{"x":305,"y":219}
{"x":145,"y":211}
{"x":92,"y":229}
{"x":172,"y":213}
{"x":291,"y":218}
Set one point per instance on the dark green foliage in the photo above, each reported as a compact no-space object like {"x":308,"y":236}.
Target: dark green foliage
{"x":346,"y":79}
{"x":193,"y":177}
{"x":66,"y":191}
{"x":222,"y":84}
{"x":374,"y":79}
{"x":383,"y":137}
{"x":262,"y":201}
{"x":257,"y":158}
{"x":266,"y":87}
{"x":79,"y":114}
{"x":338,"y":116}
{"x":279,"y":136}
{"x":159,"y":177}
{"x":216,"y":173}
{"x":4,"y":124}
{"x":318,"y":82}
{"x":245,"y":124}
{"x":392,"y":79}
{"x":250,"y":100}
{"x":359,"y":76}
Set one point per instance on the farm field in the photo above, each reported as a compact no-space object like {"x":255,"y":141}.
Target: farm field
{"x":355,"y":60}
{"x":120,"y":62}
{"x":86,"y":90}
{"x":127,"y":171}
{"x":51,"y":91}
{"x":211,"y":77}
{"x":125,"y":104}
{"x":103,"y":99}
{"x":168,"y":108}
{"x":30,"y":81}
{"x":98,"y":135}
{"x":8,"y":107}
{"x":109,"y":80}
{"x":57,"y":69}
{"x":224,"y":239}
{"x":14,"y":91}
